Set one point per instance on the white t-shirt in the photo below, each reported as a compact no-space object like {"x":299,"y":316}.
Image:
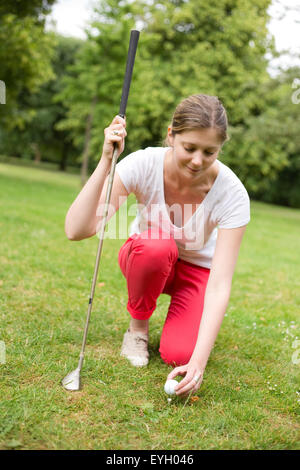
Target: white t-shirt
{"x":226,"y":205}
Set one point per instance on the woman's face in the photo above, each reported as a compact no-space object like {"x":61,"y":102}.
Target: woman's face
{"x":195,"y":151}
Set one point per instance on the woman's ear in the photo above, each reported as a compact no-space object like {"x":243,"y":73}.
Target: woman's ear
{"x":170,"y":137}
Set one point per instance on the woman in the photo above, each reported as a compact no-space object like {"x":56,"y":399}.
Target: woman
{"x":192,"y":214}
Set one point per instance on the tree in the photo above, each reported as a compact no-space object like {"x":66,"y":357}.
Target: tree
{"x":23,"y":8}
{"x":92,"y":90}
{"x":185,"y":47}
{"x":194,"y":46}
{"x":39,"y":138}
{"x":270,"y":145}
{"x":25,"y":54}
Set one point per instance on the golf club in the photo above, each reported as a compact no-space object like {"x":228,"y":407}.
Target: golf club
{"x":72,"y":380}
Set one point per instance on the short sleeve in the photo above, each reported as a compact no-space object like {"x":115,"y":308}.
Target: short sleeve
{"x":130,"y":171}
{"x":235,"y":212}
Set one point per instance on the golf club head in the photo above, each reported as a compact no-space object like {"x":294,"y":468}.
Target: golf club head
{"x":72,"y":380}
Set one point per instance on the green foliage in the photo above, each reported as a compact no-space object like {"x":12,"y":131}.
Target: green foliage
{"x":22,"y":8}
{"x":186,"y":47}
{"x":25,"y":56}
{"x":39,"y":138}
{"x":265,"y":152}
{"x":285,"y":138}
{"x":97,"y":75}
{"x":212,"y":47}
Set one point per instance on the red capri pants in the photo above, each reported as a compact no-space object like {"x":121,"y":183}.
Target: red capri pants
{"x":150,"y":264}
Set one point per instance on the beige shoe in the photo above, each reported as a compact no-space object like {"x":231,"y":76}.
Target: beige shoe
{"x":135,"y":348}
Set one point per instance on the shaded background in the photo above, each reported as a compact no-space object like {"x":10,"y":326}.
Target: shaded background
{"x":61,"y":92}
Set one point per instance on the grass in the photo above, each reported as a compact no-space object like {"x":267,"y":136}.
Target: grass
{"x":250,"y":395}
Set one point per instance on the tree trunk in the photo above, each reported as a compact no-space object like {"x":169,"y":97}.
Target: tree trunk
{"x":37,"y":153}
{"x":86,"y":150}
{"x":64,"y":156}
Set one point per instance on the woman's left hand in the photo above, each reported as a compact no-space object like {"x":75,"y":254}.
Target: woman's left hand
{"x":192,"y":380}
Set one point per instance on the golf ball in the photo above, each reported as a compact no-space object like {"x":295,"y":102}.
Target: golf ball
{"x":170,"y":386}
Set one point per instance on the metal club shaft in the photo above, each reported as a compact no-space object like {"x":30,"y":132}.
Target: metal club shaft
{"x":72,"y":380}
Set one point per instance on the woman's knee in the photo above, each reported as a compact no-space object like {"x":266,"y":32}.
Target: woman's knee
{"x":175,"y":355}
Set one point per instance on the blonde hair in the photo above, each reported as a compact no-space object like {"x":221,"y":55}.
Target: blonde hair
{"x":200,"y":112}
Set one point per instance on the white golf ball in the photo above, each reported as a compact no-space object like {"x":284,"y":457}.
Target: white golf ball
{"x":170,"y":386}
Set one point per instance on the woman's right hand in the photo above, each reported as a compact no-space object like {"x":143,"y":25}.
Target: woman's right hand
{"x":115,"y":132}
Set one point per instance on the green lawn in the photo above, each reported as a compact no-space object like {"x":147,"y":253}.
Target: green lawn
{"x":250,"y":395}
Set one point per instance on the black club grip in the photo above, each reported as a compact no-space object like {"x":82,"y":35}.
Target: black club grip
{"x":134,"y":37}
